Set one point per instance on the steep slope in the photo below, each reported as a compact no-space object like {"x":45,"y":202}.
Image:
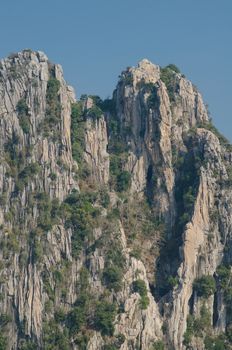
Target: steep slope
{"x":115,"y":215}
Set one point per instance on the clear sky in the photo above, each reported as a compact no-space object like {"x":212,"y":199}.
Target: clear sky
{"x":95,"y":40}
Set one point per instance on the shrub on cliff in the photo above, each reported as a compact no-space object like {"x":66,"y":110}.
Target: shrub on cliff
{"x":205,"y":286}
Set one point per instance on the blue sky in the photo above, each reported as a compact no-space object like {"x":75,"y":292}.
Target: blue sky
{"x":95,"y":40}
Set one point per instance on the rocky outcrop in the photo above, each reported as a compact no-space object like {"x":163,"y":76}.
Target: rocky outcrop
{"x":96,"y":154}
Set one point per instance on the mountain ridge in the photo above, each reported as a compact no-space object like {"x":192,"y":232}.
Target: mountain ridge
{"x":115,"y":215}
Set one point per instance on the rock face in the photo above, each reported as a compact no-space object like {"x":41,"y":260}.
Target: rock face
{"x":115,"y":215}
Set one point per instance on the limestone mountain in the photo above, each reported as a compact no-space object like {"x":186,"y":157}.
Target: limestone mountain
{"x":115,"y":215}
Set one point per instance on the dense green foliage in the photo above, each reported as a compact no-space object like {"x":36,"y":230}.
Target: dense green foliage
{"x":104,"y":317}
{"x":205,"y":286}
{"x":28,"y":345}
{"x":215,"y":343}
{"x":16,"y":157}
{"x":81,"y":314}
{"x":120,"y":179}
{"x":77,"y":132}
{"x":158,"y":345}
{"x":153,"y":100}
{"x":49,"y":211}
{"x":94,"y":112}
{"x":224,"y":276}
{"x":197,"y":326}
{"x":22,"y":110}
{"x":112,"y":276}
{"x":54,"y":337}
{"x":127,"y":77}
{"x":3,"y":342}
{"x":173,"y":67}
{"x":168,"y":76}
{"x":123,"y":181}
{"x":4,"y":319}
{"x":114,"y":267}
{"x":187,"y":182}
{"x":50,"y":124}
{"x":53,"y":103}
{"x":139,"y":286}
{"x":26,"y":174}
{"x":80,"y":215}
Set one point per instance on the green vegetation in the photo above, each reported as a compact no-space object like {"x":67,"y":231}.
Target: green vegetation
{"x":52,"y":119}
{"x":186,"y":189}
{"x":12,"y":154}
{"x":54,"y":337}
{"x":95,"y":112}
{"x":104,"y":197}
{"x":139,"y":221}
{"x":173,"y":67}
{"x":228,"y":182}
{"x":104,"y":317}
{"x":224,"y":276}
{"x":109,"y":347}
{"x":127,"y":78}
{"x":153,"y":100}
{"x":53,"y":176}
{"x":205,"y":286}
{"x":123,"y":181}
{"x":139,"y":286}
{"x":120,"y":179}
{"x":168,"y":76}
{"x":49,"y":211}
{"x":80,"y":215}
{"x":114,"y":267}
{"x":53,"y":102}
{"x":112,"y":277}
{"x":24,"y":120}
{"x":78,"y":318}
{"x":197,"y":326}
{"x":28,"y":345}
{"x":77,"y":132}
{"x":223,"y":140}
{"x":158,"y":345}
{"x":16,"y":159}
{"x":4,"y":319}
{"x":173,"y":281}
{"x":87,"y":312}
{"x":215,"y":343}
{"x":10,"y":245}
{"x":25,"y":175}
{"x":3,"y":342}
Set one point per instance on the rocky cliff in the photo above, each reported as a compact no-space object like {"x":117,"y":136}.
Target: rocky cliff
{"x":115,"y":215}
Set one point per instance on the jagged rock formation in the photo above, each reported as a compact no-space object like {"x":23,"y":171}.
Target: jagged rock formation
{"x":115,"y":215}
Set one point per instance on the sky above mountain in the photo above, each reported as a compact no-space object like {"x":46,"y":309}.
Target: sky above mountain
{"x":95,"y":40}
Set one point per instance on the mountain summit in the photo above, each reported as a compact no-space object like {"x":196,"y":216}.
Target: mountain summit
{"x":115,"y":215}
